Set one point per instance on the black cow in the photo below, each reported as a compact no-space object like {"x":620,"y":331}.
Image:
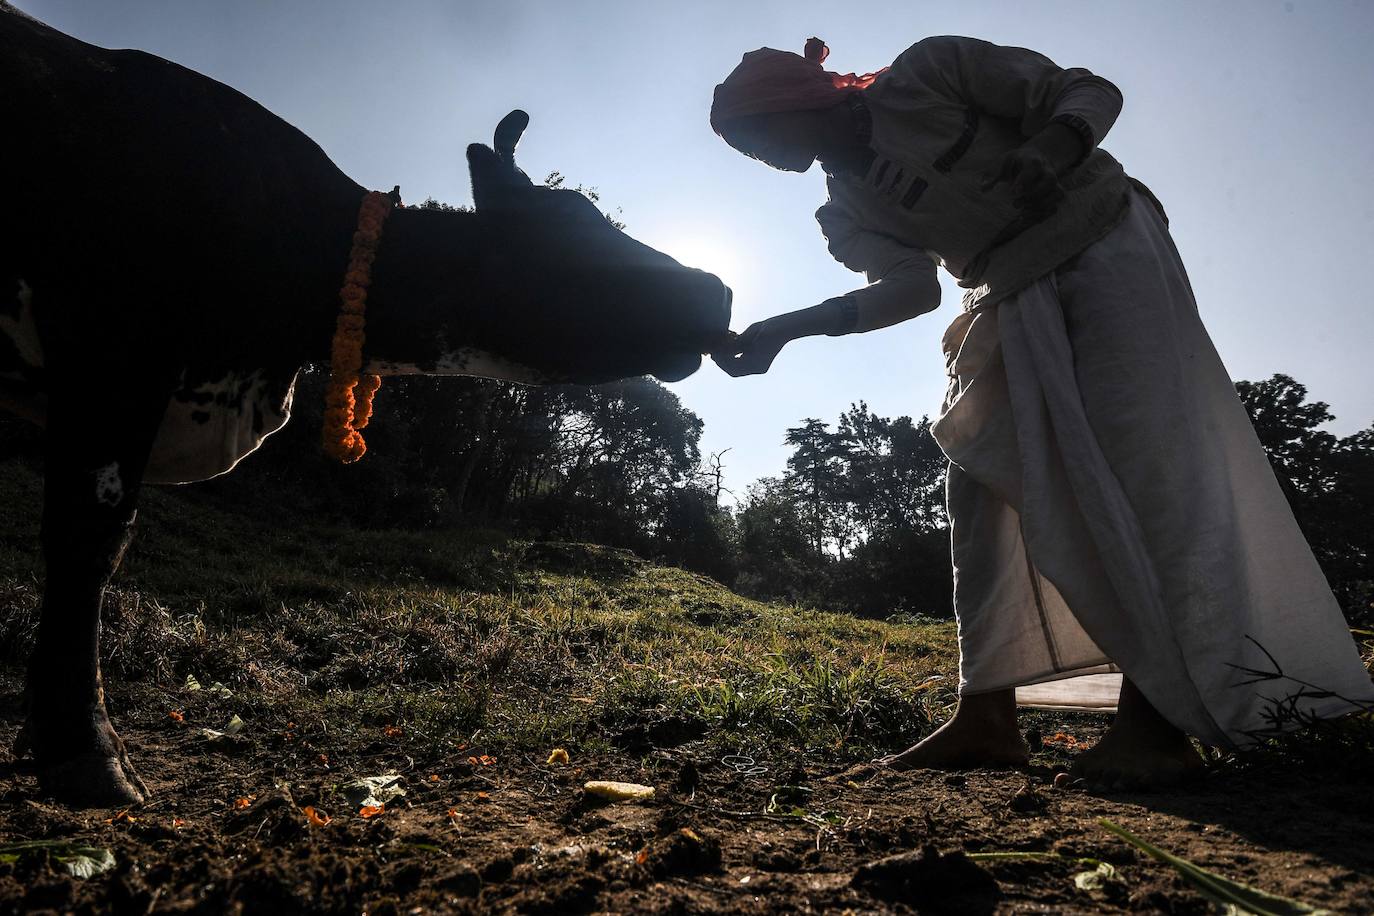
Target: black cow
{"x":171,"y":255}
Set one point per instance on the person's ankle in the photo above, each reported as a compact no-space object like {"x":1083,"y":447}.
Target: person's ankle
{"x":995,"y":711}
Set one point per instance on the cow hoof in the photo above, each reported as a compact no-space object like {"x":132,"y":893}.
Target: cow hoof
{"x":94,"y":781}
{"x":23,"y":744}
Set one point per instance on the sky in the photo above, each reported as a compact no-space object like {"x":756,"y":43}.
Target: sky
{"x":1252,"y":120}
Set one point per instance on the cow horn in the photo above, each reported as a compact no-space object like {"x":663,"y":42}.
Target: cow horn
{"x":508,"y":134}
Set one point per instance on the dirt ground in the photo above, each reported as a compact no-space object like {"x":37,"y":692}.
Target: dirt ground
{"x":226,"y":831}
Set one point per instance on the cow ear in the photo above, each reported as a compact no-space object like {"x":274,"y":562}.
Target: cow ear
{"x":495,"y":176}
{"x":508,"y":134}
{"x":490,"y":179}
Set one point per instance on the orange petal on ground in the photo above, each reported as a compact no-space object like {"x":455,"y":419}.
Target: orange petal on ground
{"x":316,"y":818}
{"x":371,"y":810}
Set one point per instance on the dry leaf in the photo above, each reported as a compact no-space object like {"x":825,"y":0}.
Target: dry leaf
{"x":176,"y":716}
{"x":371,"y":810}
{"x":241,"y":803}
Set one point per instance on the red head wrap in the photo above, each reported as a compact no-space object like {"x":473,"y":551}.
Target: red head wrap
{"x":768,"y":80}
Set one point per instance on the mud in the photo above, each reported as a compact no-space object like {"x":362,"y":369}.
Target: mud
{"x":227,"y":830}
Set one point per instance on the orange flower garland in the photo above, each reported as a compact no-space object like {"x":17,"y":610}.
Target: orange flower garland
{"x":348,"y":399}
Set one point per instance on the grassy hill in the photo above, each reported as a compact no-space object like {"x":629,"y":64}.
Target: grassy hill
{"x":459,"y":633}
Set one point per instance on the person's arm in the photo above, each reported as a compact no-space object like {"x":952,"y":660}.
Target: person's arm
{"x":1016,"y":84}
{"x":903,"y":283}
{"x":1063,"y":113}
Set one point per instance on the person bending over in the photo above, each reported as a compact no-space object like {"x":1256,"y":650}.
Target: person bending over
{"x":1110,"y":507}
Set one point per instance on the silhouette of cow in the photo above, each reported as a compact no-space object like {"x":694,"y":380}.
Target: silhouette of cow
{"x":171,"y":257}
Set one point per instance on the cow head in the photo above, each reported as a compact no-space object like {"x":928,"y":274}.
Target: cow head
{"x":574,"y":298}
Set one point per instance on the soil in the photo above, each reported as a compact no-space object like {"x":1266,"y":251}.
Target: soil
{"x":226,"y":831}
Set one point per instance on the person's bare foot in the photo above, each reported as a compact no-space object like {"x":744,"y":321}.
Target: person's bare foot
{"x":1141,"y":750}
{"x":982,"y":733}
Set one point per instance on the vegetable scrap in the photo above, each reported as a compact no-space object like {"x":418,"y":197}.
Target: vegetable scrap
{"x":618,"y":791}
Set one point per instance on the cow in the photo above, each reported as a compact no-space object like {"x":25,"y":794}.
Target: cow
{"x":172,"y":255}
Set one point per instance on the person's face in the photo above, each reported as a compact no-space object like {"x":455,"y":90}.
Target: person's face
{"x":786,"y":140}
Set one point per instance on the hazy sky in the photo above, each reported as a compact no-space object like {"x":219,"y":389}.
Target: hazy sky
{"x":1252,"y":120}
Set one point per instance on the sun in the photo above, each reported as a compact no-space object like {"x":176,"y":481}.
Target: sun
{"x":706,"y":251}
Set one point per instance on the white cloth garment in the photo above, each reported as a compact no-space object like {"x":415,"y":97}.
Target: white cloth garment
{"x":1111,"y":503}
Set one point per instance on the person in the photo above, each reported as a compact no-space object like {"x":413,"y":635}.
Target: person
{"x":1111,"y":510}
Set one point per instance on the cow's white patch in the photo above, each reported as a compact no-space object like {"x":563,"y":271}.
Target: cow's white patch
{"x":109,"y":486}
{"x":210,"y":427}
{"x":465,"y":361}
{"x":23,"y":333}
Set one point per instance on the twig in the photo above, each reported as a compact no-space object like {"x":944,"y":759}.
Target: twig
{"x":740,"y":815}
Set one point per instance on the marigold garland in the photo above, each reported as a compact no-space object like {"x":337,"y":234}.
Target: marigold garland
{"x":348,"y":398}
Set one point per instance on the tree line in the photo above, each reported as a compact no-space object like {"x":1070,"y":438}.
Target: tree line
{"x":855,"y":522}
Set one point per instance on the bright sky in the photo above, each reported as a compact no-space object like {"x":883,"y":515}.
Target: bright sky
{"x":1252,"y":120}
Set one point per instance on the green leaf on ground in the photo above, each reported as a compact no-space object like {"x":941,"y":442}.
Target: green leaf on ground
{"x":373,"y":791}
{"x":1235,"y":897}
{"x":1100,"y":873}
{"x":80,"y":860}
{"x":216,"y":688}
{"x":229,"y":731}
{"x":1095,"y":879}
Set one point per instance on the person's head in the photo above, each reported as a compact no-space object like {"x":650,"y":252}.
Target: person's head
{"x":786,"y":140}
{"x":780,"y":108}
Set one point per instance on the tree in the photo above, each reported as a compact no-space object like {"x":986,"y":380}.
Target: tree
{"x":777,"y":557}
{"x":857,"y":522}
{"x":816,"y":471}
{"x":1329,"y":482}
{"x":895,"y":473}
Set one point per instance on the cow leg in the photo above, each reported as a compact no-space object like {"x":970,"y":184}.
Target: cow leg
{"x":97,"y":449}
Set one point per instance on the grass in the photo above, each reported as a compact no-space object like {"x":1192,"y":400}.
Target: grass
{"x":469,"y":637}
{"x":511,"y":647}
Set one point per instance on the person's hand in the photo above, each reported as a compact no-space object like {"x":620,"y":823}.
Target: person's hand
{"x":1033,"y":179}
{"x":752,"y":352}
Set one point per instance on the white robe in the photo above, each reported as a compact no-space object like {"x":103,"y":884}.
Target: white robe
{"x":1110,"y":503}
